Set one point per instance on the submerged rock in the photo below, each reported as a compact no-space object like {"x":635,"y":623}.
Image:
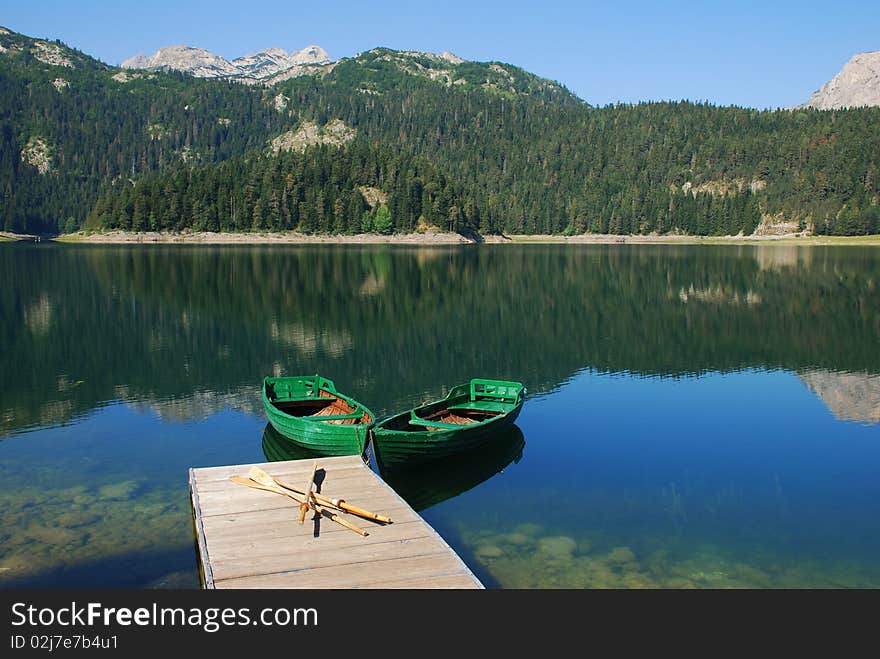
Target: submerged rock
{"x":489,"y":551}
{"x":517,"y":539}
{"x":72,"y":520}
{"x":43,"y":531}
{"x":559,"y":546}
{"x":621,"y":555}
{"x":122,"y":490}
{"x":52,"y":535}
{"x":530,"y":530}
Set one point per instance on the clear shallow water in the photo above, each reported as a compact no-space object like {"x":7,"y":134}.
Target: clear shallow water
{"x":698,"y":416}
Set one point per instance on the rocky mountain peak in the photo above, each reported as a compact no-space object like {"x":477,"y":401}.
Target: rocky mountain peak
{"x":265,"y":66}
{"x":857,"y":85}
{"x":196,"y":61}
{"x":310,"y":55}
{"x":452,"y":58}
{"x":139,"y":61}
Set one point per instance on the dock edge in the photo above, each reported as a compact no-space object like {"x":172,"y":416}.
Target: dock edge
{"x":205,"y":573}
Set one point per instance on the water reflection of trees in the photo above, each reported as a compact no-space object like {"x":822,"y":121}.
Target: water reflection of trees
{"x":394,"y":324}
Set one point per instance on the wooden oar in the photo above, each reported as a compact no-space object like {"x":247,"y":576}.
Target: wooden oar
{"x":304,"y":507}
{"x":318,"y":508}
{"x":241,"y":480}
{"x":261,"y":476}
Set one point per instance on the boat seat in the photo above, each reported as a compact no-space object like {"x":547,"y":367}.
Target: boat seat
{"x":419,"y":421}
{"x":482,"y":406}
{"x":291,"y":394}
{"x":338,"y":417}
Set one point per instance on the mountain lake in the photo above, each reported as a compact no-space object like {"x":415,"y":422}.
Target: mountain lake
{"x":696,"y":417}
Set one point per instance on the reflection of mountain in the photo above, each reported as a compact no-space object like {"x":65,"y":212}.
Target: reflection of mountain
{"x":311,"y":341}
{"x":392,"y":325}
{"x":202,"y":404}
{"x":849,"y":396}
{"x":429,"y":484}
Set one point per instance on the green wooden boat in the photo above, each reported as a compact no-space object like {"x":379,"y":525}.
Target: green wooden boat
{"x":307,"y":410}
{"x":468,"y":416}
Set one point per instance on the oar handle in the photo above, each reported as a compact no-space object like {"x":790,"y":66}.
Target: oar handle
{"x":360,"y":512}
{"x":336,"y":518}
{"x":304,"y":507}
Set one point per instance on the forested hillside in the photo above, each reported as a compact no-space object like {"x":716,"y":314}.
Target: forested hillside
{"x":462,"y":146}
{"x":68,"y":131}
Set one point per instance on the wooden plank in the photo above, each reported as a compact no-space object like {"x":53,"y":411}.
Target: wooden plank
{"x":279,"y":548}
{"x":252,"y":539}
{"x":291,"y":468}
{"x":261,"y":560}
{"x":273,"y":525}
{"x":236,"y":504}
{"x":349,"y":489}
{"x":251,"y":499}
{"x":413,"y":572}
{"x":346,"y":486}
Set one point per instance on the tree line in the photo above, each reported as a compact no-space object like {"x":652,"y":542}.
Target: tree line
{"x":334,"y":190}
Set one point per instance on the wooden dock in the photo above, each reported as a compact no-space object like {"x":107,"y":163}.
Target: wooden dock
{"x":249,"y":538}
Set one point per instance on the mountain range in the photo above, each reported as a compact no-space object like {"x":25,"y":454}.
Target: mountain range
{"x":275,"y":65}
{"x":394,"y":140}
{"x":856,"y":85}
{"x":267,"y":66}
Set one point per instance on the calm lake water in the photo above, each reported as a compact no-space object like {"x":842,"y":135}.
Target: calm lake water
{"x":697,"y":416}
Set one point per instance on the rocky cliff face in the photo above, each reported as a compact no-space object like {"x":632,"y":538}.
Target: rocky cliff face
{"x":334,"y":133}
{"x":857,"y":85}
{"x":266,"y":66}
{"x":197,"y":61}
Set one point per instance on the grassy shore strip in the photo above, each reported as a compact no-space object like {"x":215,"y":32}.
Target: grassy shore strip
{"x":210,"y":238}
{"x":6,"y":236}
{"x":602,"y":239}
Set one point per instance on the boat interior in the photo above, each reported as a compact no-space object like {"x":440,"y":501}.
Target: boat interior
{"x":460,"y":416}
{"x":441,"y":417}
{"x":334,"y":409}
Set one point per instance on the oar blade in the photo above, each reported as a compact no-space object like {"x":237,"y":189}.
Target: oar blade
{"x":260,"y":476}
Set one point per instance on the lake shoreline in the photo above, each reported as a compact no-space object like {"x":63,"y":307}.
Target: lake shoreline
{"x":264,"y":238}
{"x":612,"y":239}
{"x":7,"y":236}
{"x":438,"y":238}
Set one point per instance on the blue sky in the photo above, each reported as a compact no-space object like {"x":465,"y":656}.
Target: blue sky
{"x":757,"y":54}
